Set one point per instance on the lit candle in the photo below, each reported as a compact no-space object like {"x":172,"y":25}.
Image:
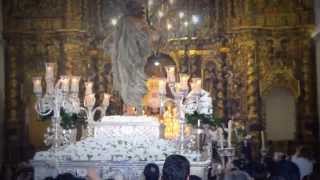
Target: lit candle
{"x":106,"y":99}
{"x":89,"y":100}
{"x":162,"y":86}
{"x":229,"y":133}
{"x":184,"y":78}
{"x":75,"y":84}
{"x":50,"y":70}
{"x":65,"y":83}
{"x":37,"y":87}
{"x":170,"y":74}
{"x":178,"y":87}
{"x":196,"y":85}
{"x":221,"y":138}
{"x":263,"y":141}
{"x":88,"y":85}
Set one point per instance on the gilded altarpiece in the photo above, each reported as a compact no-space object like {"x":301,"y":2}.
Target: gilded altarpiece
{"x":245,"y":48}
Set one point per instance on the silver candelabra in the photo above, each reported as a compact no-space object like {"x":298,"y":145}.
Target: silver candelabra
{"x":63,"y":94}
{"x":180,"y":91}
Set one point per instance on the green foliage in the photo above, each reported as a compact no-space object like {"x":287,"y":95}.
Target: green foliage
{"x":68,"y":120}
{"x":209,"y":119}
{"x":72,"y":120}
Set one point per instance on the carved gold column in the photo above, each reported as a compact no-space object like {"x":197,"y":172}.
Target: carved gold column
{"x":307,"y":120}
{"x":12,"y":85}
{"x":72,"y":58}
{"x":307,"y":79}
{"x":12,"y":121}
{"x":72,"y":14}
{"x":220,"y":89}
{"x":252,"y":84}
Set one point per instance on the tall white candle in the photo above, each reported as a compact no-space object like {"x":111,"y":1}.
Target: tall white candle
{"x":65,"y":83}
{"x":170,"y":70}
{"x":178,"y":87}
{"x":196,"y":85}
{"x":89,"y":100}
{"x":199,"y":123}
{"x":263,"y":143}
{"x":49,"y":70}
{"x":106,"y":99}
{"x":229,"y":133}
{"x":184,"y":78}
{"x":88,"y":85}
{"x":162,"y":86}
{"x":221,"y":138}
{"x":37,"y":87}
{"x":75,"y":84}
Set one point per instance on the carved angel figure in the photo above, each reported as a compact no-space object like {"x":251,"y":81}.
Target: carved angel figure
{"x":131,"y":47}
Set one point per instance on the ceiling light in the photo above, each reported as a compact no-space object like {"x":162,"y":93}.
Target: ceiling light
{"x":114,"y":21}
{"x":186,"y":23}
{"x":181,"y":14}
{"x":150,"y":2}
{"x":160,"y":14}
{"x":195,"y":19}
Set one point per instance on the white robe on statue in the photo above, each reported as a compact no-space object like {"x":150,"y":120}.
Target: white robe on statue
{"x":130,"y":51}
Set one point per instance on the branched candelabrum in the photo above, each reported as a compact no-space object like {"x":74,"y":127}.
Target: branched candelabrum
{"x":61,"y":94}
{"x":90,"y":108}
{"x":58,"y":96}
{"x":179,"y":90}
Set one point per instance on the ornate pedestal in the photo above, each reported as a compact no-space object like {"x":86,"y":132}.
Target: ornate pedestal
{"x":128,"y":170}
{"x":121,"y":146}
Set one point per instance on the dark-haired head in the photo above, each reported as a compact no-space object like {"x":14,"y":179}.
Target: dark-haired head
{"x":305,"y":153}
{"x":134,"y":8}
{"x":176,"y":167}
{"x":194,"y":177}
{"x":48,"y":178}
{"x":151,"y":172}
{"x":67,"y":176}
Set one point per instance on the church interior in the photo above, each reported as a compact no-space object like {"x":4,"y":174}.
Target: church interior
{"x":257,"y":62}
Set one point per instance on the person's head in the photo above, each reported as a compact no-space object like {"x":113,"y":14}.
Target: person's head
{"x":67,"y":176}
{"x":134,"y":8}
{"x":176,"y":167}
{"x":236,"y":175}
{"x":305,"y":153}
{"x":48,"y":178}
{"x":151,"y":172}
{"x":194,"y":177}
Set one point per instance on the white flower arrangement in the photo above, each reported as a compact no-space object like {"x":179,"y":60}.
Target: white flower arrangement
{"x":200,"y":103}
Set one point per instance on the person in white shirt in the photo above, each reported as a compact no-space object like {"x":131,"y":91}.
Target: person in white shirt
{"x":303,"y":159}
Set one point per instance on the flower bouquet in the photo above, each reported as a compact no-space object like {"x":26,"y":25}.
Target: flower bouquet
{"x":199,"y":107}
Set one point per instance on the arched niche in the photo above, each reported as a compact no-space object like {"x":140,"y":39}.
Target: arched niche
{"x":280,"y":114}
{"x":280,"y":91}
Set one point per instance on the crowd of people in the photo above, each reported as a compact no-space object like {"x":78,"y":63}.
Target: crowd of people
{"x":300,"y":166}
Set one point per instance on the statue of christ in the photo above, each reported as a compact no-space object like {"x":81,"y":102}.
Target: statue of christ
{"x":131,"y":47}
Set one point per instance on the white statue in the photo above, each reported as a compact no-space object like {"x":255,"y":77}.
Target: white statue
{"x":131,"y":47}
